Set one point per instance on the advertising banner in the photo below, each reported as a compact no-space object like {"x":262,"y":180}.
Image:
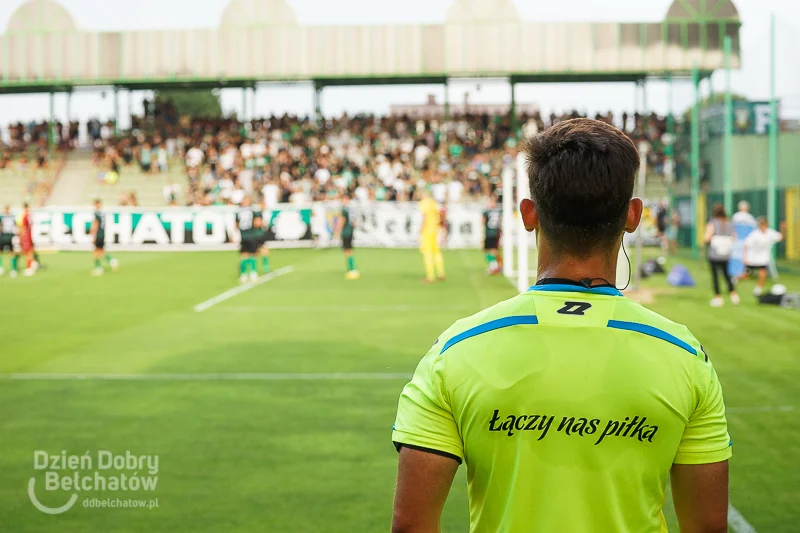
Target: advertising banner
{"x":168,"y":228}
{"x":398,"y":224}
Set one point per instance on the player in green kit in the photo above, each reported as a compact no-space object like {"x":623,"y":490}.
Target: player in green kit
{"x":8,"y":230}
{"x":491,"y":236}
{"x":570,"y":405}
{"x":98,"y":233}
{"x":345,"y":227}
{"x":263,"y":227}
{"x":248,"y":222}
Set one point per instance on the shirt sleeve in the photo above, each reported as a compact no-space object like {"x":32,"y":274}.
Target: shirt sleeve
{"x":424,"y":416}
{"x":705,"y":438}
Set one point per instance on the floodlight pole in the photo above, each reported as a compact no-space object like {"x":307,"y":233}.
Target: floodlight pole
{"x":772,"y":181}
{"x":728,"y":138}
{"x":695,"y":161}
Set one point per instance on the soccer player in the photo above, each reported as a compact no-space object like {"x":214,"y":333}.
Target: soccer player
{"x":248,"y":224}
{"x":570,"y":405}
{"x":98,"y":233}
{"x":345,"y":227}
{"x":263,"y":226}
{"x":491,"y":236}
{"x":429,"y":239}
{"x":26,"y":241}
{"x":8,"y":229}
{"x":758,"y":252}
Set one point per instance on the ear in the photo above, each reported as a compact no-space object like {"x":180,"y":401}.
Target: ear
{"x":530,"y":218}
{"x":635,"y":209}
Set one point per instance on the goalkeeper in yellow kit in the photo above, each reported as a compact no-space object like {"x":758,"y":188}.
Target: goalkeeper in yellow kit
{"x":429,"y":240}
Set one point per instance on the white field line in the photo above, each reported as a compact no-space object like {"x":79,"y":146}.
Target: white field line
{"x":737,"y":522}
{"x":343,"y":308}
{"x":241,"y":288}
{"x":241,"y":376}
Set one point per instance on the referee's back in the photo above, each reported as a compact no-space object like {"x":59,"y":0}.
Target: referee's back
{"x":570,"y":405}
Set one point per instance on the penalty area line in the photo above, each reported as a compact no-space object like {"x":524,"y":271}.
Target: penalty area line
{"x":235,"y":376}
{"x":242,"y":288}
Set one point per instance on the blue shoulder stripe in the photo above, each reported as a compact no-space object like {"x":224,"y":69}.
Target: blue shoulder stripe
{"x":653,"y":332}
{"x":492,"y":325}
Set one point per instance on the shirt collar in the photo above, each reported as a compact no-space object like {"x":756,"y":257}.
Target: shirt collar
{"x":565,"y":285}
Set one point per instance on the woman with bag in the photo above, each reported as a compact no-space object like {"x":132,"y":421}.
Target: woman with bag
{"x":719,"y":240}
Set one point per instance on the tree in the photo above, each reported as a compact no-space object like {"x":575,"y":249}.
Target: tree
{"x":192,"y":102}
{"x":712,"y":100}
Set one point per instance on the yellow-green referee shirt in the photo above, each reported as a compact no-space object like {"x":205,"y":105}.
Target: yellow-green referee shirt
{"x":569,"y":406}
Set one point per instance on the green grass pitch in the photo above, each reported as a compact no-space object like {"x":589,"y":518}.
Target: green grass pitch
{"x":298,"y":455}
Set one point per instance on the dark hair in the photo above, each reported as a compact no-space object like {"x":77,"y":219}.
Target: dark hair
{"x":581,"y":174}
{"x":719,"y":211}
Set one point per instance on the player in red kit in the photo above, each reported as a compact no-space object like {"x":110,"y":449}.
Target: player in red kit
{"x":26,"y":241}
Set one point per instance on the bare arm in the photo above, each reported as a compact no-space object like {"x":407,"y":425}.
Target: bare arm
{"x":423,"y":482}
{"x":700,"y":494}
{"x":93,"y":229}
{"x":709,"y":233}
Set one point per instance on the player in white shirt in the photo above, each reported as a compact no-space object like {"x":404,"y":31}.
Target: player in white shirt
{"x":758,"y":252}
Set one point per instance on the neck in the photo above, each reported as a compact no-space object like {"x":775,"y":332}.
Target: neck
{"x":599,"y":267}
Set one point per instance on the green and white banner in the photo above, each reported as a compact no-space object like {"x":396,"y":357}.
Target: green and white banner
{"x":168,"y":228}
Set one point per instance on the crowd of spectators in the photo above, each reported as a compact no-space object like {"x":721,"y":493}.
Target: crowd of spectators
{"x":293,"y":159}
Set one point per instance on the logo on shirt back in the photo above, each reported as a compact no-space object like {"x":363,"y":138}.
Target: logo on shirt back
{"x":574,"y":308}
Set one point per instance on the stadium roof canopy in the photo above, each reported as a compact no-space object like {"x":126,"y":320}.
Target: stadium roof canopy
{"x":43,"y":50}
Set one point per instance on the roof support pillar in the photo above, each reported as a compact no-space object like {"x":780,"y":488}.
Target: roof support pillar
{"x":447,"y":99}
{"x":318,"y":102}
{"x":774,"y":127}
{"x":695,"y":162}
{"x":116,"y":111}
{"x":51,"y":130}
{"x":513,"y":110}
{"x":728,"y":135}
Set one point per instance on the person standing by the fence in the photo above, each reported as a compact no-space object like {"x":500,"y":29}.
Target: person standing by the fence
{"x":720,"y":237}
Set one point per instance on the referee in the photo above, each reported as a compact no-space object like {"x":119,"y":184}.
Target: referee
{"x":570,"y":405}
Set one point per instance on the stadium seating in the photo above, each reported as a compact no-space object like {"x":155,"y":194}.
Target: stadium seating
{"x":82,"y":181}
{"x":23,"y":184}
